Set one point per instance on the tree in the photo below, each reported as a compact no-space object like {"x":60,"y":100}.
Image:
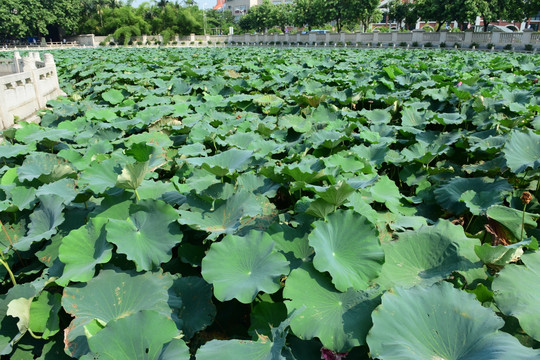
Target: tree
{"x":259,"y":17}
{"x":307,"y":13}
{"x":402,"y":12}
{"x":344,"y":12}
{"x":282,"y":15}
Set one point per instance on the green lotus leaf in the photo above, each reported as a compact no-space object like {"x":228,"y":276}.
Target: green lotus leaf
{"x":197,"y":310}
{"x":112,"y":295}
{"x":257,"y":184}
{"x":44,"y":221}
{"x":327,"y":138}
{"x":347,"y":246}
{"x":132,"y":175}
{"x":44,"y":318}
{"x":297,"y":123}
{"x":224,"y":163}
{"x":43,"y":166}
{"x":10,"y":151}
{"x":309,"y":170}
{"x":500,"y":255}
{"x":449,"y":195}
{"x":265,"y":316}
{"x":10,"y":333}
{"x":377,"y":116}
{"x":176,"y":349}
{"x":264,"y":349}
{"x":386,"y":191}
{"x":413,"y":118}
{"x":82,"y":249}
{"x":113,"y":96}
{"x":236,"y":350}
{"x":140,"y":336}
{"x":336,"y":194}
{"x":427,"y":255}
{"x":292,"y":242}
{"x":102,"y":114}
{"x":100,"y":177}
{"x":440,"y":322}
{"x":225,"y":218}
{"x":522,"y":151}
{"x":340,"y":320}
{"x":516,"y":290}
{"x":65,"y":188}
{"x":240,"y":267}
{"x":511,"y":220}
{"x":320,"y":208}
{"x":137,"y":236}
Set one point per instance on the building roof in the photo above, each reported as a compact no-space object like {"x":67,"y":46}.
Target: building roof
{"x":219,"y":4}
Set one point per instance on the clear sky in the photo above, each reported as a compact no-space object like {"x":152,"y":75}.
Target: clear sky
{"x":203,"y":4}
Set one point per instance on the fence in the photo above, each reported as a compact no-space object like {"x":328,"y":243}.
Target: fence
{"x":26,"y":84}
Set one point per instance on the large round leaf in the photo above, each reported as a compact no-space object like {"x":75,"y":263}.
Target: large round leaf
{"x":138,"y":336}
{"x":522,"y":151}
{"x":240,"y":267}
{"x":427,"y":255}
{"x":224,"y":163}
{"x":109,"y":296}
{"x":476,"y":193}
{"x":347,"y":246}
{"x":236,"y":350}
{"x":517,"y":290}
{"x":340,"y":320}
{"x":440,"y":322}
{"x":82,"y":250}
{"x":148,"y":235}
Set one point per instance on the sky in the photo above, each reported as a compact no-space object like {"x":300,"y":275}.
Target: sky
{"x":203,"y":4}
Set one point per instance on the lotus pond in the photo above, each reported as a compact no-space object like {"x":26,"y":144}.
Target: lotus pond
{"x":254,"y":203}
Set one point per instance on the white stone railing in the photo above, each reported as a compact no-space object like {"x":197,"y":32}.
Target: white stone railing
{"x":518,"y":40}
{"x":26,"y":84}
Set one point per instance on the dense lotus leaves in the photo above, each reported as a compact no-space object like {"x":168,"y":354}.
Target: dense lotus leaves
{"x":522,"y":151}
{"x":386,"y":191}
{"x":519,"y":298}
{"x":224,"y":163}
{"x":112,"y":295}
{"x":196,"y":310}
{"x":224,"y":217}
{"x":44,"y":221}
{"x":500,"y":255}
{"x":82,"y":249}
{"x":440,"y":322}
{"x":257,"y":184}
{"x":8,"y":151}
{"x":340,"y":320}
{"x":427,"y":255}
{"x":65,"y":188}
{"x":455,"y":196}
{"x":347,"y":246}
{"x":138,"y":336}
{"x":292,"y":242}
{"x":43,"y":166}
{"x":137,"y":238}
{"x":241,"y":266}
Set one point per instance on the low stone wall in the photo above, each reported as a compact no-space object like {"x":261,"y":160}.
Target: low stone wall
{"x":26,"y":84}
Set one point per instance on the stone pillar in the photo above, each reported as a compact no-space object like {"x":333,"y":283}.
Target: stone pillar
{"x":468,"y":38}
{"x":394,"y":36}
{"x":17,"y":62}
{"x":48,"y":59}
{"x":417,"y":35}
{"x":527,"y":37}
{"x":443,"y":35}
{"x":375,"y":36}
{"x":496,"y":38}
{"x":327,"y":38}
{"x":29,"y":64}
{"x":6,"y":120}
{"x":191,"y":37}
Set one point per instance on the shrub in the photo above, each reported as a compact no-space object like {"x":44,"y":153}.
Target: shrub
{"x":218,"y":42}
{"x":340,"y":43}
{"x":112,"y":43}
{"x":139,"y":43}
{"x":508,"y":47}
{"x":475,"y":45}
{"x":102,"y":43}
{"x":349,"y":43}
{"x":192,"y":42}
{"x":455,"y":29}
{"x":490,"y":46}
{"x":130,"y":42}
{"x":200,"y":42}
{"x":321,"y":43}
{"x":383,"y":29}
{"x":175,"y":42}
{"x":403,"y":44}
{"x":442,"y":45}
{"x":428,"y":44}
{"x":428,"y":28}
{"x":529,"y":47}
{"x":415,"y":44}
{"x":457,"y":45}
{"x":209,"y":42}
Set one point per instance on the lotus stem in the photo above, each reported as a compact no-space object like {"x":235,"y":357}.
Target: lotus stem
{"x":137,"y":195}
{"x":9,"y":271}
{"x":34,"y":335}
